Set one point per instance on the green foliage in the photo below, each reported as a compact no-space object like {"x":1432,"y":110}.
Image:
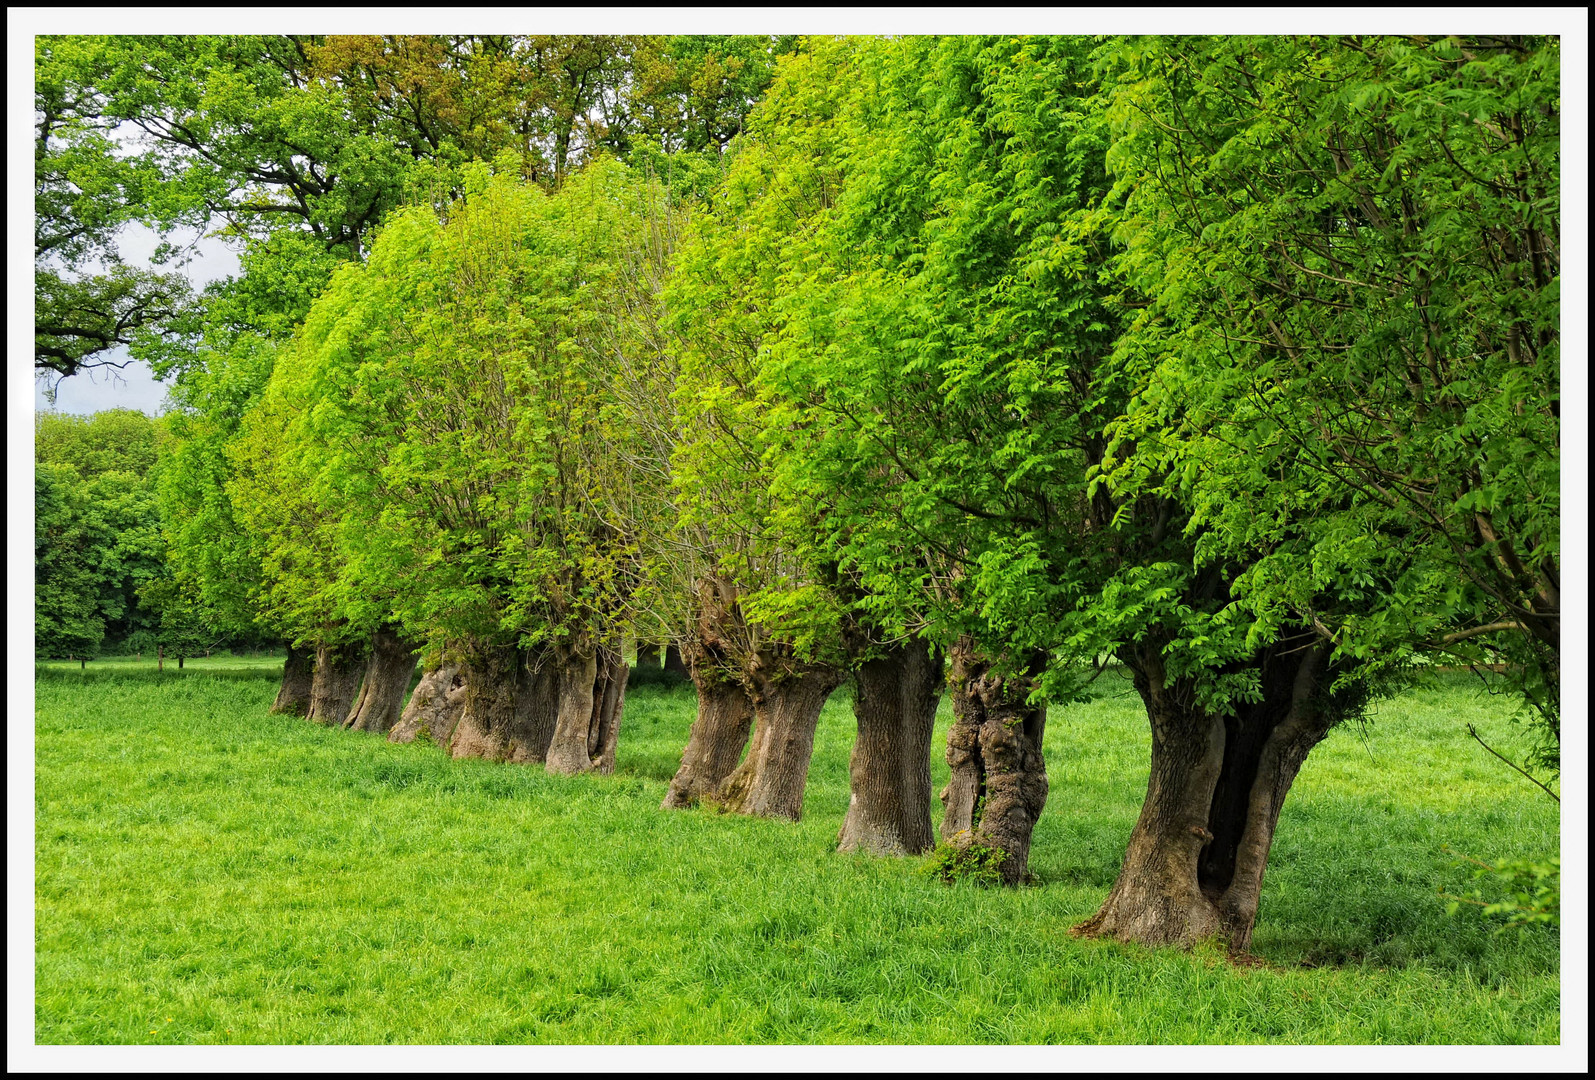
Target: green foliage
{"x":1344,"y":258}
{"x":444,"y":442}
{"x":87,"y":300}
{"x":97,"y":537}
{"x":1528,"y":892}
{"x":115,"y":440}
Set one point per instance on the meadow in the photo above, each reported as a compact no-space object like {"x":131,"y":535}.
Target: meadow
{"x":209,"y":873}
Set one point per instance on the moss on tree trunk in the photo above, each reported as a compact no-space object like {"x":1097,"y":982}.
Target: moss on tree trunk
{"x":998,"y":784}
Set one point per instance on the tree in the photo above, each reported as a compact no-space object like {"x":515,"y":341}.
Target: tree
{"x":453,"y":424}
{"x":97,"y":529}
{"x":764,"y":638}
{"x":1351,"y":354}
{"x":87,"y":300}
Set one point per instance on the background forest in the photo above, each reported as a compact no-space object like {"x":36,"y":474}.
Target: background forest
{"x":1019,"y":380}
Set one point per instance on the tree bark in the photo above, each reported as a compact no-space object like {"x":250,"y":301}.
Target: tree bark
{"x":888,"y":812}
{"x":998,"y":784}
{"x":787,"y":699}
{"x":339,"y":669}
{"x":507,"y":706}
{"x":725,"y":715}
{"x":434,"y":709}
{"x":578,"y":675}
{"x":609,"y":700}
{"x":293,"y":696}
{"x":674,"y":663}
{"x":1193,"y":868}
{"x":387,"y":677}
{"x":725,"y":711}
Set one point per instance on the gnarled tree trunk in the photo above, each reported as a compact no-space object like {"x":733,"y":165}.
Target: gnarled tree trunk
{"x":609,"y":700}
{"x":508,"y":706}
{"x":387,"y":678}
{"x":434,"y":708}
{"x":339,"y":669}
{"x":293,"y":697}
{"x":1193,"y":868}
{"x":888,"y":812}
{"x":578,"y":676}
{"x":725,"y":711}
{"x":787,"y":699}
{"x":998,"y":785}
{"x":725,"y":715}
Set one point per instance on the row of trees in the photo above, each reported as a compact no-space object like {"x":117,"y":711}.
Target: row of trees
{"x":982,"y":363}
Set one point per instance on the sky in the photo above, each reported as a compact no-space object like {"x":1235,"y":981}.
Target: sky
{"x":135,"y":387}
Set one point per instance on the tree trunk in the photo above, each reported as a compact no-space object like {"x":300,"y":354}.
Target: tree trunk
{"x":673,"y":662}
{"x":387,"y":678}
{"x":336,"y":681}
{"x":609,"y":700}
{"x":895,"y":703}
{"x":648,"y":656}
{"x":179,"y":662}
{"x":725,"y":714}
{"x":1193,"y":868}
{"x":539,"y":707}
{"x":507,"y":706}
{"x":293,"y":696}
{"x":998,"y":785}
{"x":434,"y":709}
{"x":787,"y":699}
{"x":578,"y":675}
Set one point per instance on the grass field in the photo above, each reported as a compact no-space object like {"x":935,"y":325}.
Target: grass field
{"x":207,"y":873}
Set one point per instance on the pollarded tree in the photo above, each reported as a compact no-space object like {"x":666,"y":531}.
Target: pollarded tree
{"x":937,"y":411}
{"x":293,"y":537}
{"x":468,"y":437}
{"x":1348,"y":372}
{"x":1353,"y":251}
{"x":765,"y":643}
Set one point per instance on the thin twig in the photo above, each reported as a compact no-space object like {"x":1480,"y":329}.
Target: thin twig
{"x":1472,"y":731}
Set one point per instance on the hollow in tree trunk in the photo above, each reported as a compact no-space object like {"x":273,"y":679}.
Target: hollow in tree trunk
{"x":1193,"y":867}
{"x":888,"y":812}
{"x":998,"y":784}
{"x":507,"y":706}
{"x":434,"y":709}
{"x":336,"y":681}
{"x":293,"y":696}
{"x":387,"y":677}
{"x":578,"y":674}
{"x":787,"y":698}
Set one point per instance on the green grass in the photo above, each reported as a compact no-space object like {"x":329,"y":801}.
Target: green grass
{"x":207,"y":873}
